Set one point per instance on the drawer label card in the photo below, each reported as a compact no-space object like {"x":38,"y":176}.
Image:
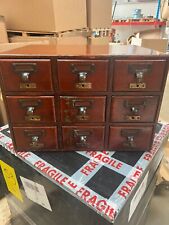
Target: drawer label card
{"x":84,"y":85}
{"x":36,"y":145}
{"x":131,"y":118}
{"x":82,"y":117}
{"x":32,"y":118}
{"x":36,"y":193}
{"x":138,"y":85}
{"x":11,"y":180}
{"x":27,"y":85}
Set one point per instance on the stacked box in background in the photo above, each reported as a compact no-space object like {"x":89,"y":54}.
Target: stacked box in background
{"x":99,"y":14}
{"x":58,"y":16}
{"x":44,"y":15}
{"x":3,"y":32}
{"x":62,"y":38}
{"x":99,"y":17}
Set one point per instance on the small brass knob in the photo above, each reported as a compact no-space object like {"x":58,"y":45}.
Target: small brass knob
{"x":30,"y":110}
{"x":82,"y":110}
{"x":83,"y":139}
{"x":35,"y":139}
{"x":139,"y":76}
{"x":25,"y":76}
{"x":130,"y":140}
{"x":134,"y":110}
{"x":82,"y":76}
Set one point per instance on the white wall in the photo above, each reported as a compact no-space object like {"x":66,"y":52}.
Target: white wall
{"x":126,"y":10}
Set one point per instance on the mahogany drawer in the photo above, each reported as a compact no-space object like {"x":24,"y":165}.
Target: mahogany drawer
{"x":82,"y":109}
{"x":35,"y":138}
{"x":26,"y":75}
{"x":83,"y":137}
{"x":134,"y":108}
{"x":130,"y":138}
{"x":138,"y":75}
{"x":31,"y":110}
{"x":82,"y":75}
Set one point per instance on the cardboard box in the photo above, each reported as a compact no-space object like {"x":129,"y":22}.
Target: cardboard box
{"x":3,"y":32}
{"x":164,"y":169}
{"x":77,"y":40}
{"x":44,"y":15}
{"x":32,"y":39}
{"x":66,"y":38}
{"x":164,"y":111}
{"x":99,"y":40}
{"x":99,"y":13}
{"x":10,"y":46}
{"x":73,"y":38}
{"x":151,"y":34}
{"x":3,"y":115}
{"x":165,"y":10}
{"x":155,"y":44}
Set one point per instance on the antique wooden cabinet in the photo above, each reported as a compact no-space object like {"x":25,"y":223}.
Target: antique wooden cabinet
{"x":82,"y":97}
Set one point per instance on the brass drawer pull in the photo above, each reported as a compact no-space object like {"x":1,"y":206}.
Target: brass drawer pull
{"x":82,"y":107}
{"x":30,"y":106}
{"x":82,"y":70}
{"x":24,"y":70}
{"x":81,"y":138}
{"x":139,"y":71}
{"x":134,"y":109}
{"x":35,"y":138}
{"x":130,"y":135}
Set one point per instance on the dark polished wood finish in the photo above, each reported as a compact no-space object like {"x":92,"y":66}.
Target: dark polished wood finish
{"x":82,"y":109}
{"x":140,"y":137}
{"x":31,"y":110}
{"x":96,"y":72}
{"x":67,"y":98}
{"x":125,"y":74}
{"x":23,"y":75}
{"x":134,"y":108}
{"x":35,"y":138}
{"x":83,"y":137}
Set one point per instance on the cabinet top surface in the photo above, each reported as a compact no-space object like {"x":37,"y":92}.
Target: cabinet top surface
{"x":77,"y":50}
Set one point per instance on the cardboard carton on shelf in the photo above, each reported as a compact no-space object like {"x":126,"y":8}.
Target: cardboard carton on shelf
{"x":3,"y":32}
{"x":33,"y":39}
{"x":76,"y":40}
{"x":156,"y":44}
{"x":151,"y":39}
{"x":3,"y":115}
{"x":98,"y":40}
{"x":151,"y":34}
{"x":64,"y":38}
{"x":44,"y":15}
{"x":164,"y":168}
{"x":99,"y":13}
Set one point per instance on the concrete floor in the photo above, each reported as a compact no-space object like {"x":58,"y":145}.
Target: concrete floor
{"x":164,"y":113}
{"x":159,"y":209}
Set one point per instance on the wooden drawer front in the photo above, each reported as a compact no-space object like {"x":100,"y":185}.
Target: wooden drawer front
{"x":138,"y":75}
{"x":134,"y":108}
{"x":82,"y":109}
{"x":130,"y":138}
{"x":35,"y":138}
{"x":26,"y":75}
{"x":31,"y":110}
{"x":83,"y":75}
{"x":83,"y":137}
